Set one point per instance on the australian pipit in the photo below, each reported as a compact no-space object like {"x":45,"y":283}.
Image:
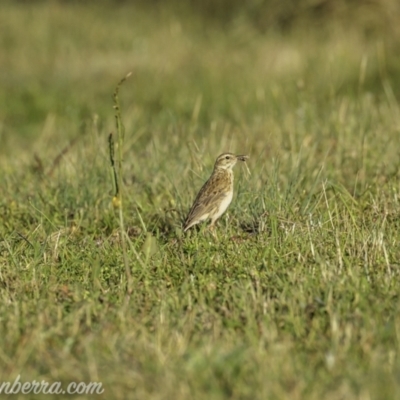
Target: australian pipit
{"x":216,"y":194}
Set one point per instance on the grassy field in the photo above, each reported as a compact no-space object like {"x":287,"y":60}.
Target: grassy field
{"x":297,"y":297}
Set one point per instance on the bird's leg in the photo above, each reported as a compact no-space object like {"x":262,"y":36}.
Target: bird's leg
{"x":211,"y":228}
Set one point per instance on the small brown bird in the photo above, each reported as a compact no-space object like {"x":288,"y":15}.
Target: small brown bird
{"x":216,"y":194}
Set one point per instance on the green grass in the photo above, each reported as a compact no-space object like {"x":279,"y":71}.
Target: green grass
{"x":298,"y":295}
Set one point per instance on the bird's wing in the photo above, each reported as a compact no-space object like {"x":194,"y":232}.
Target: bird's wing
{"x":206,"y":201}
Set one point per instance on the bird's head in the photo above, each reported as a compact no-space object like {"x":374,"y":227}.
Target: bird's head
{"x":228,"y":160}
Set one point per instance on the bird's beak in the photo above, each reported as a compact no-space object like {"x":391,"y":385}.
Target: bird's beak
{"x":242,"y":158}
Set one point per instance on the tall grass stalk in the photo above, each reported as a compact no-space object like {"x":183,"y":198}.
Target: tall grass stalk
{"x":118,"y":180}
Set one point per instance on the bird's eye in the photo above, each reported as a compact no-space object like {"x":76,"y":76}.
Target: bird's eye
{"x":227,"y":157}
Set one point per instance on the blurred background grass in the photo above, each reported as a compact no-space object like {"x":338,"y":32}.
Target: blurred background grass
{"x":61,"y":57}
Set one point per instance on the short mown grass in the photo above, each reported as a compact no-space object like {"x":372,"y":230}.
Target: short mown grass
{"x":297,"y":295}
